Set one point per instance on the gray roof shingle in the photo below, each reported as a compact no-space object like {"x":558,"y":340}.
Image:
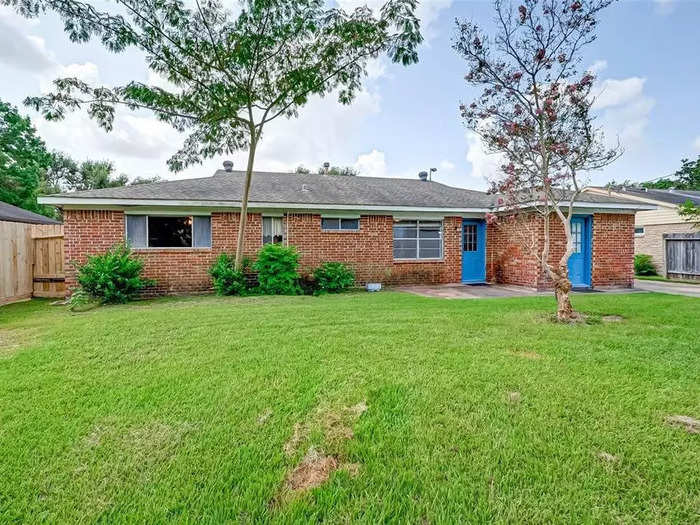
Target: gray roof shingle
{"x":11,"y":213}
{"x":311,"y":189}
{"x":669,"y":196}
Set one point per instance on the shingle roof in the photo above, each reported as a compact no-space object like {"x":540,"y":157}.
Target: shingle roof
{"x":669,"y":196}
{"x":295,"y":188}
{"x":289,"y":189}
{"x":11,"y":213}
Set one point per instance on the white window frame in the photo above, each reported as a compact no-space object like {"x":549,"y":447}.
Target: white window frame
{"x":641,"y":233}
{"x":284,"y":232}
{"x":147,"y":215}
{"x":340,"y":223}
{"x":418,"y":222}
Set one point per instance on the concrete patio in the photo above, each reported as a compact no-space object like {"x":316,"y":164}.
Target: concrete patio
{"x":484,"y":291}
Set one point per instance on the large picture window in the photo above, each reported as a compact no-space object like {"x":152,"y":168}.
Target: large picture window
{"x":273,"y":230}
{"x":418,"y":240}
{"x":155,"y":231}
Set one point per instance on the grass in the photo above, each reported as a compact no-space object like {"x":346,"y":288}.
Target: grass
{"x":477,"y":410}
{"x":665,"y":279}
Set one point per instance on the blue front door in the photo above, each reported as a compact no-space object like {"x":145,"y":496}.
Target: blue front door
{"x":473,"y":251}
{"x":580,"y":260}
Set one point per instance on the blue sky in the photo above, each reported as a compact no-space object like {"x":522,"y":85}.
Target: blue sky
{"x":647,"y":57}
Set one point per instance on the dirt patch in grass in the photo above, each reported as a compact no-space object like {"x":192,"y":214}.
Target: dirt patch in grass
{"x":262,"y":418}
{"x":314,"y":470}
{"x":298,"y":435}
{"x":11,"y":341}
{"x":612,"y":318}
{"x":514,"y":398}
{"x":607,"y":457}
{"x":690,"y":424}
{"x":525,"y":354}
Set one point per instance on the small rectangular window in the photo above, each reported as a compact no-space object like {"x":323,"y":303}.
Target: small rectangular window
{"x":332,"y":223}
{"x":170,"y":232}
{"x":417,"y":240}
{"x":639,"y":231}
{"x":577,"y":236}
{"x":469,"y":241}
{"x":273,"y":230}
{"x":136,"y":234}
{"x":202,"y":232}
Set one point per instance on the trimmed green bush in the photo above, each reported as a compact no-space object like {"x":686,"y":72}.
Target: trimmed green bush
{"x":226,"y":280}
{"x":333,"y":277}
{"x":643,"y":265}
{"x":114,"y":276}
{"x":278,"y":270}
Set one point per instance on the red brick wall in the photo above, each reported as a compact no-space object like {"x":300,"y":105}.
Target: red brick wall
{"x":613,"y":249}
{"x":182,"y":270}
{"x":509,"y":258}
{"x":369,"y":251}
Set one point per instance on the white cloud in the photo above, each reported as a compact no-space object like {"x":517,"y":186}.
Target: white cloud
{"x":485,"y":166}
{"x":696,"y":143}
{"x":372,"y":164}
{"x":598,"y":66}
{"x":19,"y":49}
{"x":664,"y":6}
{"x":625,"y":109}
{"x":446,"y":165}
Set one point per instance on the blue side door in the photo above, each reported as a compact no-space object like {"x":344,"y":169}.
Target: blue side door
{"x":580,"y":260}
{"x":473,"y":251}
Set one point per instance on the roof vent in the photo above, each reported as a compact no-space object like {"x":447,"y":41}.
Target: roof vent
{"x":326,"y":167}
{"x":423,"y":175}
{"x":228,"y":165}
{"x":304,"y":187}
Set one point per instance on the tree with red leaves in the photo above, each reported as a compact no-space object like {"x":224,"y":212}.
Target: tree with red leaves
{"x":535,"y":111}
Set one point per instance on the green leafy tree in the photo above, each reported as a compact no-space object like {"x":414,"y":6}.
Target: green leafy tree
{"x":690,"y":212}
{"x":686,"y":178}
{"x":331,"y":170}
{"x":233,"y":74}
{"x":23,"y":161}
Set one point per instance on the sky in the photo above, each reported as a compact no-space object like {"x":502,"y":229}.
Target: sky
{"x":406,"y":119}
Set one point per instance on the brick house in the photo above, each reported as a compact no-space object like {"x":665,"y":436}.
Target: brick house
{"x":393,"y":231}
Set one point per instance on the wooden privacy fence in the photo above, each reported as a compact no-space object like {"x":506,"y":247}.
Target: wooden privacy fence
{"x":682,"y":255}
{"x":31,"y":261}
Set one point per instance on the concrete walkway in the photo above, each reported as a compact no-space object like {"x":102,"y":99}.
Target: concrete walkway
{"x":466,"y":291}
{"x":691,"y":290}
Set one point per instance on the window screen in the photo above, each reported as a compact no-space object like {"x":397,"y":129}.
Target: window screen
{"x":136,"y":234}
{"x":202,"y":232}
{"x":169,"y":232}
{"x":273,"y":230}
{"x":340,"y":224}
{"x":417,"y":240}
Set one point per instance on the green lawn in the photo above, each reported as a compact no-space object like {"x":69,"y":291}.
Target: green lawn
{"x":180,"y":409}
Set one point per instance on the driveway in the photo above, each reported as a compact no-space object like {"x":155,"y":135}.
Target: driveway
{"x":691,"y":290}
{"x":466,"y":291}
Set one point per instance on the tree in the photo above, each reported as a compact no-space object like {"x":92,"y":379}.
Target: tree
{"x":65,"y":174}
{"x":690,"y":212}
{"x":23,"y":160}
{"x":686,"y":178}
{"x":535,"y":111}
{"x":233,"y":75}
{"x":330,"y":170}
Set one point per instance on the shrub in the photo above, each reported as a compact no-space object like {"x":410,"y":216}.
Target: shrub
{"x":114,"y":276}
{"x":333,"y":277}
{"x":278,"y":270}
{"x":226,"y":280}
{"x":643,"y":265}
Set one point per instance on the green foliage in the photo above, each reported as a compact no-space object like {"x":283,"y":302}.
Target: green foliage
{"x":65,"y":174}
{"x":686,"y":178}
{"x":690,"y":212}
{"x":278,"y":270}
{"x":643,"y":265}
{"x":226,"y":280}
{"x":114,"y":276}
{"x":333,"y":277}
{"x":23,"y":161}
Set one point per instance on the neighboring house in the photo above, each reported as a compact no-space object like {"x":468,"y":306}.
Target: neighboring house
{"x":393,"y":231}
{"x":650,"y":226}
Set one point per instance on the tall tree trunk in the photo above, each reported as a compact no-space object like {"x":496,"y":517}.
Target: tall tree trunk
{"x":240,"y":242}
